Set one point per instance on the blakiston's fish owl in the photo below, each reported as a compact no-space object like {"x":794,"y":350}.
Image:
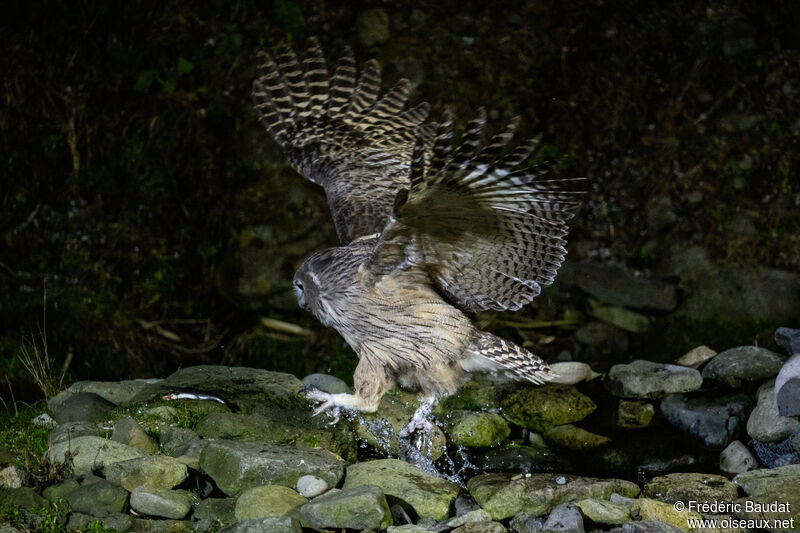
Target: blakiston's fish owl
{"x":428,"y":230}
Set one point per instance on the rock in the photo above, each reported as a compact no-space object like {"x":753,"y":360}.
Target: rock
{"x":282,"y":426}
{"x":12,"y":477}
{"x":430,"y":496}
{"x":98,"y":498}
{"x":267,"y":500}
{"x":127,"y":431}
{"x":520,"y":459}
{"x":175,"y":439}
{"x":311,"y":486}
{"x":767,"y":486}
{"x":116,"y":392}
{"x":616,"y":285}
{"x":634,"y":415}
{"x":190,"y":453}
{"x":648,"y":453}
{"x":156,"y":471}
{"x":571,"y":437}
{"x":620,"y":317}
{"x":788,"y":339}
{"x":360,"y":507}
{"x":409,"y":528}
{"x":715,"y":422}
{"x":481,"y":393}
{"x":539,"y":408}
{"x":481,"y":527}
{"x":80,"y":407}
{"x":249,"y":389}
{"x":157,"y":420}
{"x":603,"y":337}
{"x":91,"y":453}
{"x":71,"y":430}
{"x":572,"y":372}
{"x":765,"y":423}
{"x":473,"y":428}
{"x":110,"y":522}
{"x":526,"y":523}
{"x":564,"y":517}
{"x":649,"y":380}
{"x":787,"y":387}
{"x":372,"y":26}
{"x":327,"y":383}
{"x":685,"y":487}
{"x":647,"y":509}
{"x":743,"y":364}
{"x":504,"y":497}
{"x":649,"y":526}
{"x":696,"y":356}
{"x":270,"y":524}
{"x":477,"y":515}
{"x":604,"y":512}
{"x":23,"y":498}
{"x":236,"y":466}
{"x":174,"y":504}
{"x":61,"y":490}
{"x":44,"y":421}
{"x":736,"y":459}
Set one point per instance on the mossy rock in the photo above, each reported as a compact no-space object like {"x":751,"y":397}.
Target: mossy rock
{"x":362,"y":507}
{"x":474,"y":429}
{"x":571,"y":437}
{"x":540,"y":408}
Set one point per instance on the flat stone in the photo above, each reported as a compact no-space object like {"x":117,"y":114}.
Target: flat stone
{"x":765,"y":423}
{"x":685,"y":487}
{"x":174,"y":504}
{"x":359,"y":507}
{"x":110,"y":522}
{"x":616,"y":285}
{"x":481,"y":527}
{"x":91,"y":453}
{"x":99,"y":498}
{"x":270,"y":524}
{"x":604,"y":512}
{"x":564,"y":517}
{"x":128,"y":431}
{"x":504,"y":497}
{"x":236,"y":466}
{"x":474,"y":428}
{"x":634,"y":414}
{"x":695,"y":357}
{"x":788,"y":339}
{"x":715,"y":422}
{"x":787,"y":387}
{"x":539,"y":408}
{"x":116,"y":392}
{"x":649,"y":380}
{"x":311,"y":486}
{"x":476,"y":515}
{"x":156,"y":471}
{"x":429,"y":495}
{"x":71,"y":430}
{"x":327,"y":383}
{"x":573,"y":438}
{"x":267,"y":500}
{"x":12,"y":477}
{"x":743,"y":364}
{"x":520,"y":459}
{"x":80,"y":407}
{"x":648,"y":509}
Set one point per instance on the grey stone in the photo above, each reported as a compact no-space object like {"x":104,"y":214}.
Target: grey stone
{"x":359,"y":507}
{"x":772,"y":485}
{"x":157,"y":472}
{"x":504,"y":497}
{"x":410,"y":528}
{"x":98,"y":498}
{"x":270,"y":524}
{"x":465,"y":504}
{"x":736,"y":459}
{"x":474,"y":428}
{"x":765,"y":423}
{"x":174,"y":504}
{"x":743,"y":364}
{"x":481,"y":527}
{"x":110,"y":522}
{"x":695,"y":357}
{"x":715,"y":422}
{"x":80,"y":407}
{"x":71,"y":430}
{"x":116,"y":392}
{"x":12,"y":477}
{"x":788,"y":339}
{"x":477,"y":515}
{"x":267,"y":500}
{"x":604,"y":512}
{"x":128,"y":431}
{"x":430,"y":496}
{"x":191,"y":452}
{"x":685,"y":487}
{"x":91,"y":453}
{"x":525,"y":522}
{"x":634,"y":414}
{"x":61,"y":490}
{"x":649,"y":380}
{"x":539,"y":408}
{"x":175,"y":439}
{"x":141,"y":525}
{"x":311,"y":486}
{"x":787,"y":387}
{"x":373,"y":26}
{"x":649,"y":526}
{"x":211,"y":509}
{"x":564,"y":517}
{"x":236,"y":466}
{"x":616,"y":285}
{"x":327,"y":383}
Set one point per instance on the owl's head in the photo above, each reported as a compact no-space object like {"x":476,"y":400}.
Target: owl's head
{"x":312,"y":285}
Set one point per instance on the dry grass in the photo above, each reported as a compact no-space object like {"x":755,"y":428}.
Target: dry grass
{"x":36,"y":359}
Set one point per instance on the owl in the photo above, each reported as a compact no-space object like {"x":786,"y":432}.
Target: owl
{"x":430,"y":229}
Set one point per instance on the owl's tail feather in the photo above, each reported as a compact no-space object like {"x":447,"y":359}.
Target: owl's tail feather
{"x":490,"y":353}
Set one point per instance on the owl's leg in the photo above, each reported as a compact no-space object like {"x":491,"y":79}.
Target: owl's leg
{"x":420,"y":419}
{"x":371,"y":382}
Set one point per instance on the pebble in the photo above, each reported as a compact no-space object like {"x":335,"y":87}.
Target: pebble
{"x":649,"y":380}
{"x":311,"y":486}
{"x":696,"y":356}
{"x":572,"y":372}
{"x":634,"y":414}
{"x":737,"y":458}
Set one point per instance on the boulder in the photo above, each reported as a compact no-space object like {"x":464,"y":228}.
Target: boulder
{"x":539,"y":408}
{"x":649,"y":380}
{"x":358,"y":507}
{"x":714,"y":421}
{"x":743,"y":364}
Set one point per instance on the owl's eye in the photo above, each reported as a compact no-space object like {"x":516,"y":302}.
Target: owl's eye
{"x":298,"y":285}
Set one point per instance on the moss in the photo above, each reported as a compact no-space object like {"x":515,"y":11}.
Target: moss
{"x":27,"y":442}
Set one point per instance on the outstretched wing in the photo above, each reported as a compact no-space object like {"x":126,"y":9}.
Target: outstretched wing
{"x":338,"y":134}
{"x":487,"y":230}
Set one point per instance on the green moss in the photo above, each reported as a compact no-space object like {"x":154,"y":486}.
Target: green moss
{"x":27,"y":442}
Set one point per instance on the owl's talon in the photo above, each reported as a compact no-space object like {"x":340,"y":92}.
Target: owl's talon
{"x":328,"y":402}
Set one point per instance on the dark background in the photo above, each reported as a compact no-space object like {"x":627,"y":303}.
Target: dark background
{"x":148,"y":222}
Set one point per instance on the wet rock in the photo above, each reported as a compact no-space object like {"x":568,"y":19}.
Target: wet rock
{"x":248,"y":389}
{"x":71,"y":430}
{"x":526,"y":523}
{"x":236,"y":466}
{"x":573,"y":438}
{"x":98,"y":498}
{"x":539,"y":408}
{"x":743,"y":364}
{"x":111,"y":522}
{"x":481,"y":393}
{"x":520,"y":459}
{"x":685,"y":487}
{"x":648,"y":526}
{"x":634,"y":415}
{"x":481,"y":527}
{"x":12,"y":477}
{"x":620,"y":317}
{"x":564,"y":517}
{"x":736,"y":459}
{"x":476,"y":515}
{"x":372,"y":26}
{"x":128,"y":431}
{"x":409,"y":528}
{"x":504,"y":497}
{"x":311,"y":486}
{"x":616,"y":285}
{"x":80,"y":407}
{"x":359,"y":507}
{"x":572,"y":372}
{"x":765,"y":423}
{"x":152,"y":471}
{"x":604,"y":512}
{"x":327,"y":383}
{"x":267,"y":500}
{"x":788,"y":339}
{"x":648,"y":453}
{"x":430,"y":496}
{"x":647,"y":509}
{"x":282,"y":426}
{"x":715,"y":422}
{"x":695,"y":357}
{"x":61,"y":490}
{"x":787,"y":387}
{"x":176,"y":438}
{"x":270,"y":524}
{"x":646,"y":379}
{"x":767,"y":486}
{"x":603,"y":337}
{"x":23,"y":498}
{"x":473,"y":428}
{"x":91,"y":453}
{"x":174,"y":504}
